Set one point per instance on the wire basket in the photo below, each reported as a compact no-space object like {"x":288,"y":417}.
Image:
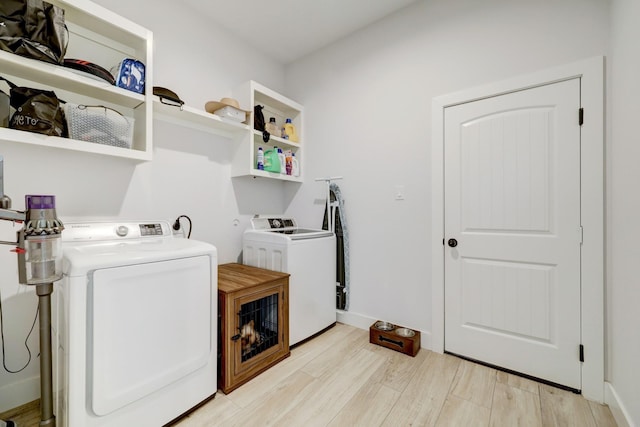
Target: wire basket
{"x":99,"y":124}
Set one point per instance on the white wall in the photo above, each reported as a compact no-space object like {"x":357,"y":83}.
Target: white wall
{"x":369,"y":97}
{"x":190,"y":172}
{"x":623,"y":202}
{"x":368,"y":106}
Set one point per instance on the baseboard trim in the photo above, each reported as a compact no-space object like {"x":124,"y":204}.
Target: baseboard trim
{"x":19,"y":393}
{"x":616,"y":406}
{"x":364,"y":322}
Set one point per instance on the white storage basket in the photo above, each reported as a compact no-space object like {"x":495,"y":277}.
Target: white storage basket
{"x":99,"y":124}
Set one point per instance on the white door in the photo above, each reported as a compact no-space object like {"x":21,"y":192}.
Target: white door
{"x":512,"y":205}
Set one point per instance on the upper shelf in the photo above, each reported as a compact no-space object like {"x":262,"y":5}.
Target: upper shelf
{"x":264,"y":95}
{"x":59,"y":77}
{"x":103,"y":21}
{"x":197,"y":119}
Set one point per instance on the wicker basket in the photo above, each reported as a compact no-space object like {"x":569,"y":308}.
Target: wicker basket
{"x":99,"y":124}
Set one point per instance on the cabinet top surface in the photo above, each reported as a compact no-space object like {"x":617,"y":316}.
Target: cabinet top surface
{"x":234,"y":277}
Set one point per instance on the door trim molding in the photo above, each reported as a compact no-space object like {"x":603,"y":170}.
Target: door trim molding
{"x":591,"y":73}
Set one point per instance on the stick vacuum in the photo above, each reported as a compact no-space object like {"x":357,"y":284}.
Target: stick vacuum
{"x":39,"y":249}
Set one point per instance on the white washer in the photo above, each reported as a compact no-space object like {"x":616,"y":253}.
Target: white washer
{"x":134,"y":325}
{"x":310,"y":257}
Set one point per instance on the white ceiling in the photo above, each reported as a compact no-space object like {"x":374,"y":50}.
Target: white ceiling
{"x":291,"y":29}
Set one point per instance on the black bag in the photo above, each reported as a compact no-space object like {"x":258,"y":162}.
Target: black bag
{"x":33,"y":28}
{"x":258,"y":118}
{"x":37,"y":111}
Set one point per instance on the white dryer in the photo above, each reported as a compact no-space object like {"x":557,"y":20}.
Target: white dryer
{"x":310,"y":257}
{"x":134,"y":325}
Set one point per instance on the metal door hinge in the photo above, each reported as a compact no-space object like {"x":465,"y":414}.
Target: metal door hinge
{"x":581,"y":236}
{"x":581,"y":116}
{"x":581,"y":353}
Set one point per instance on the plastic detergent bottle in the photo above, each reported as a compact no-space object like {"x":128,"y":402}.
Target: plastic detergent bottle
{"x":288,"y":162}
{"x":271,"y":161}
{"x":283,"y":166}
{"x":290,"y":131}
{"x":295,"y":166}
{"x":260,"y":157}
{"x":271,"y":127}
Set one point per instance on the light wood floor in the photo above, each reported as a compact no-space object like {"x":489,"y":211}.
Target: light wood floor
{"x":340,"y":379}
{"x":27,"y":415}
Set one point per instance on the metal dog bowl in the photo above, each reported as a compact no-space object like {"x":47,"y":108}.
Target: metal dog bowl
{"x":405,"y":332}
{"x":384,"y":326}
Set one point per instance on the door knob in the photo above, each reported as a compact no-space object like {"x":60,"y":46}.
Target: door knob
{"x":453,"y":243}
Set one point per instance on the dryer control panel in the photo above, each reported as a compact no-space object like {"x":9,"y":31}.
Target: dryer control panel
{"x":151,"y":229}
{"x":98,"y":231}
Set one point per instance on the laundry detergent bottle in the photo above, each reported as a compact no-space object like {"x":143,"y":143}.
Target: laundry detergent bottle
{"x":282,"y":159}
{"x":295,"y":166}
{"x":290,"y":131}
{"x":271,"y":161}
{"x":260,"y":159}
{"x":288,"y":161}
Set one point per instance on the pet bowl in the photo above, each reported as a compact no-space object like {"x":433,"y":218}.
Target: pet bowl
{"x":405,"y":332}
{"x":384,"y":326}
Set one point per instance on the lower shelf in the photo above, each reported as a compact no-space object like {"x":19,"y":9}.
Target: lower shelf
{"x":20,"y":137}
{"x":273,"y":175}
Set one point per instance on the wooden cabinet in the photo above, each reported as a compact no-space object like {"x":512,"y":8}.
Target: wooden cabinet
{"x":102,"y":37}
{"x":253,"y":322}
{"x":281,"y":108}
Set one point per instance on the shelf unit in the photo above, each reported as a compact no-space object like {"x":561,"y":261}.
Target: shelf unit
{"x":275,"y":105}
{"x":105,"y":38}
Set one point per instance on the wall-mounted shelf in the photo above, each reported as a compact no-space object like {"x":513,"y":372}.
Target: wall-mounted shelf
{"x":273,"y":175}
{"x":197,"y":119}
{"x":31,"y":138}
{"x":105,"y":38}
{"x":276,"y":140}
{"x":100,"y":36}
{"x":50,"y":75}
{"x":275,"y":105}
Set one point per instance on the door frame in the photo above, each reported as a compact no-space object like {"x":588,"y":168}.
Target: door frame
{"x":591,"y":72}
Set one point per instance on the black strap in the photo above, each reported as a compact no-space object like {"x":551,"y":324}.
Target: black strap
{"x":13,"y":86}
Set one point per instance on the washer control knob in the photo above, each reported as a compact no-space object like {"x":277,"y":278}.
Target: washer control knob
{"x":122,"y":230}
